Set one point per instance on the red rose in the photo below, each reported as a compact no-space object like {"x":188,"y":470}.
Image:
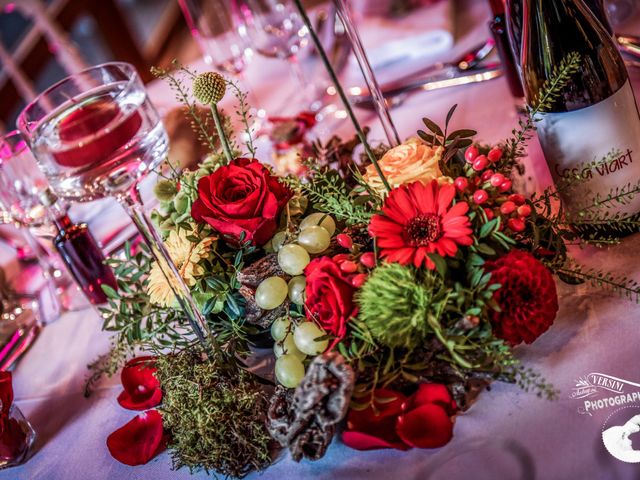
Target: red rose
{"x":141,"y":387}
{"x":422,"y":420}
{"x":139,"y":440}
{"x":241,"y":197}
{"x":329,"y":297}
{"x":527,"y":297}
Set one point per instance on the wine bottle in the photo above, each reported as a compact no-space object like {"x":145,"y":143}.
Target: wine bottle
{"x":599,"y":9}
{"x":594,"y":119}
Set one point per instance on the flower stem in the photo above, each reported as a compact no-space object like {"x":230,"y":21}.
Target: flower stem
{"x":223,"y":137}
{"x":343,"y":96}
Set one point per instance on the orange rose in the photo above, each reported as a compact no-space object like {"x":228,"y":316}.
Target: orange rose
{"x":409,"y":162}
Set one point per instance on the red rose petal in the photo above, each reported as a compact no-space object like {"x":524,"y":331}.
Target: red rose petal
{"x":427,"y":393}
{"x":362,"y":441}
{"x":139,"y":440}
{"x":141,"y":387}
{"x":428,"y":426}
{"x":6,"y":393}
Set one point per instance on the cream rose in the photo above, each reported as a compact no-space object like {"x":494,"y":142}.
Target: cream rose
{"x":409,"y":162}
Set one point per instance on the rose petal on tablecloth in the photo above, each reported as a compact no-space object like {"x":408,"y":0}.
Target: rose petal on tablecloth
{"x":139,"y":440}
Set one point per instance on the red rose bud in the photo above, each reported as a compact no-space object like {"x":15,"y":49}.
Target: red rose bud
{"x":517,"y":198}
{"x":480,"y":163}
{"x":494,"y":154}
{"x":358,"y":280}
{"x":516,"y":224}
{"x":480,"y":196}
{"x":461,"y":184}
{"x":368,"y":259}
{"x":505,"y":186}
{"x":486,"y":175}
{"x":344,"y":241}
{"x":524,"y":210}
{"x":497,"y":179}
{"x":507,"y":208}
{"x":470,"y":154}
{"x":349,"y":266}
{"x":489,"y":213}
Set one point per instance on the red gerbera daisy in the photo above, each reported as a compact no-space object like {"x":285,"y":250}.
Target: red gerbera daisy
{"x":417,"y":220}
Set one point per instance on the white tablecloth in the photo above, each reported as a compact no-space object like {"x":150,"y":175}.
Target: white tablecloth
{"x":507,"y":434}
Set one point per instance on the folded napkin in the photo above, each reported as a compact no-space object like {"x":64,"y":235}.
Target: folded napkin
{"x":397,"y":47}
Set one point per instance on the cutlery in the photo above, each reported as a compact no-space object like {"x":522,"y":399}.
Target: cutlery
{"x":396,"y":95}
{"x":465,"y":62}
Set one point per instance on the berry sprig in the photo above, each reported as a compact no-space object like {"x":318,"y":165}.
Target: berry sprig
{"x":491,"y":190}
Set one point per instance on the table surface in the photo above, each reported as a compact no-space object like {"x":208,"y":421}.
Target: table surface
{"x":507,"y":434}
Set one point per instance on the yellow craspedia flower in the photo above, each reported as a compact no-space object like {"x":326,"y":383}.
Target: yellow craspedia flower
{"x":187,"y":256}
{"x":409,"y":162}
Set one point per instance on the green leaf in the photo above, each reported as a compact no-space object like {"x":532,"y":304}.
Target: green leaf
{"x":486,"y":249}
{"x":426,"y":136}
{"x":110,"y":292}
{"x":440,"y":263}
{"x":450,"y":114}
{"x":488,"y":227}
{"x":433,"y":126}
{"x":463,"y":133}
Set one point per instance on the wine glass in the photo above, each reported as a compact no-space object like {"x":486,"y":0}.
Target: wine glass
{"x":21,"y":183}
{"x":223,"y":45}
{"x":211,"y":25}
{"x":275,"y":30}
{"x":96,"y":134}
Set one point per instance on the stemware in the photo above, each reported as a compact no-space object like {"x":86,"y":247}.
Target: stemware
{"x":276,"y":30}
{"x":96,"y":134}
{"x":211,"y":25}
{"x":21,"y":183}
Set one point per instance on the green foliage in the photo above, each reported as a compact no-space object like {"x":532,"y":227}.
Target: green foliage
{"x":550,"y":91}
{"x":329,"y":193}
{"x":215,"y":415}
{"x":396,"y":308}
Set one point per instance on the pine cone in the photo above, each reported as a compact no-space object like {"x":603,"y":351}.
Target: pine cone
{"x":304,"y":421}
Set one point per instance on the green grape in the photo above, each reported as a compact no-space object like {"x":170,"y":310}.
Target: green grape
{"x":319,"y":219}
{"x":289,"y":370}
{"x":314,"y":239}
{"x":288,"y":346}
{"x":305,"y":336}
{"x":297,"y":286}
{"x":293,"y":259}
{"x":280,"y":327}
{"x":278,"y":240}
{"x":271,"y":293}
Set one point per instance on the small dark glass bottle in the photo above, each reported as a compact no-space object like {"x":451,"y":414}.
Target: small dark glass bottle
{"x":80,"y":252}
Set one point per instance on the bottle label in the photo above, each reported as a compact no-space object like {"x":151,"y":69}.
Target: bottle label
{"x":607,"y":130}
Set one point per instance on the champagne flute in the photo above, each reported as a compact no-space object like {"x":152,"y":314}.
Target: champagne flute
{"x":276,"y":30}
{"x":96,"y":134}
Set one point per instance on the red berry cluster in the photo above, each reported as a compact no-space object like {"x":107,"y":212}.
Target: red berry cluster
{"x":492,"y":189}
{"x":354,"y":263}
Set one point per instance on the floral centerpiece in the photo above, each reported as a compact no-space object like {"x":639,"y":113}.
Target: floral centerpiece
{"x":392,"y":286}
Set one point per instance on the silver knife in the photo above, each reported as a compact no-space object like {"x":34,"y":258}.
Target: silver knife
{"x":450,"y":77}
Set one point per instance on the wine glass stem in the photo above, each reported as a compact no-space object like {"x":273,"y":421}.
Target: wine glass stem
{"x":300,"y":77}
{"x":367,"y":72}
{"x":132,"y":203}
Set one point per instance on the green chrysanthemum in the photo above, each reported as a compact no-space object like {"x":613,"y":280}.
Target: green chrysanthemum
{"x":395,"y":306}
{"x":209,"y":88}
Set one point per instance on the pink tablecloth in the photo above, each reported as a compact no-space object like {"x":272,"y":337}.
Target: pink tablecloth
{"x":507,"y":434}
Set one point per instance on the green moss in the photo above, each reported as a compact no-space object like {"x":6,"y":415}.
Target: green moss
{"x":216,"y":417}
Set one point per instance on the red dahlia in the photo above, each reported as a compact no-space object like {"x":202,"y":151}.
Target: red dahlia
{"x":419,"y":219}
{"x":527,"y":297}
